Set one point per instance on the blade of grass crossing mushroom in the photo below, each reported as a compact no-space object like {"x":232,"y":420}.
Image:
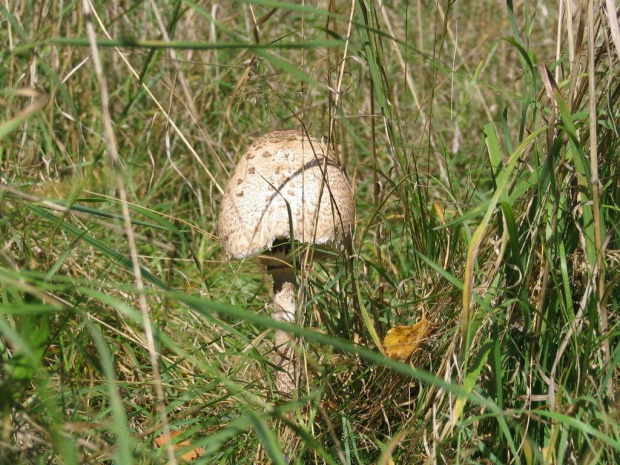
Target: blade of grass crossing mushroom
{"x":204,"y":307}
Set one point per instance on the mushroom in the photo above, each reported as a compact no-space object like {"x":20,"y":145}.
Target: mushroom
{"x":287,"y":190}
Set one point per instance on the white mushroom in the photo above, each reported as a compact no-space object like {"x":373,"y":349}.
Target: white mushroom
{"x":286,"y":184}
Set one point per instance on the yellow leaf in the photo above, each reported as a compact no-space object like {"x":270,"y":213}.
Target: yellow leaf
{"x":401,"y":341}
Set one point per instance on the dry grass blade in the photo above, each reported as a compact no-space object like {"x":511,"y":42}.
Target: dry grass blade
{"x":598,"y":271}
{"x":39,"y":100}
{"x":116,"y":164}
{"x":612,"y":21}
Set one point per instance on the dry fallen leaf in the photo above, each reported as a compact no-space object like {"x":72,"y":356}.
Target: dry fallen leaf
{"x":188,"y":456}
{"x":401,"y":341}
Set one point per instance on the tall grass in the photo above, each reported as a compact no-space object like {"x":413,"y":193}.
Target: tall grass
{"x":482,"y":141}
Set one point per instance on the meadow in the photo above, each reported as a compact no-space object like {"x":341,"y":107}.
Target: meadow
{"x":481,"y":140}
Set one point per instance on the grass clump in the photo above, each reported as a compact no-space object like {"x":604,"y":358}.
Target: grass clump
{"x":482,"y":141}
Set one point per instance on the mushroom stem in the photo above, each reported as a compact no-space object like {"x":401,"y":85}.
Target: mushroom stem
{"x":284,"y":310}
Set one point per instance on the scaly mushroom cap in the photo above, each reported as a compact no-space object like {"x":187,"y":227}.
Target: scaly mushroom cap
{"x":284,"y":180}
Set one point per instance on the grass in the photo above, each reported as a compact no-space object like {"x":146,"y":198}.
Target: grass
{"x":482,"y":143}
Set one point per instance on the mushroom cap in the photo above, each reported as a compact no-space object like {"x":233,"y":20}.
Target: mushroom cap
{"x":286,"y":181}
